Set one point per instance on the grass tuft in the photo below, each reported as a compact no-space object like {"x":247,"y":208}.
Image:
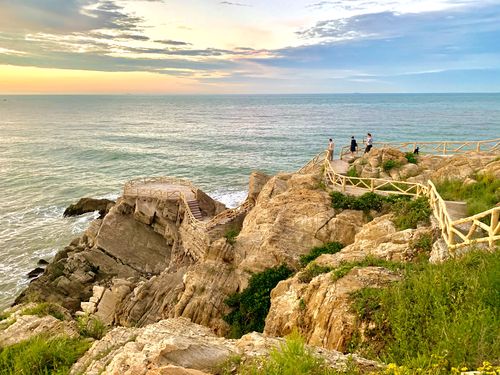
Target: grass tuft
{"x":410,"y":156}
{"x":411,"y":213}
{"x":90,"y":326}
{"x":344,"y":268}
{"x":390,"y":164}
{"x":231,"y":235}
{"x":44,"y":309}
{"x":328,"y":248}
{"x":41,"y":355}
{"x":311,"y":271}
{"x":480,"y":196}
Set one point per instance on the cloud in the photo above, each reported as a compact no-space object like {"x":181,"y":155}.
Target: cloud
{"x":234,"y":4}
{"x":173,"y":42}
{"x":64,"y":16}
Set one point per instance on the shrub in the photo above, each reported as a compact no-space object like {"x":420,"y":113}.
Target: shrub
{"x":90,"y":326}
{"x":312,"y":271}
{"x":292,"y":358}
{"x":352,"y":172}
{"x":389,"y":164}
{"x":341,"y":201}
{"x":366,"y":202}
{"x":250,"y":307}
{"x":410,"y":156}
{"x":408,"y":214}
{"x":231,"y":235}
{"x":422,"y":243}
{"x":44,"y":309}
{"x":328,"y":248}
{"x":439,"y":316}
{"x":42,"y":355}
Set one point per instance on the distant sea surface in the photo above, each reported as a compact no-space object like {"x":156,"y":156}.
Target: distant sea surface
{"x":57,"y":149}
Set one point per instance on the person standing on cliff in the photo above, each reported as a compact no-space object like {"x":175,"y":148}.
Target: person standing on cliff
{"x":330,"y":149}
{"x":354,"y":146}
{"x":369,"y":143}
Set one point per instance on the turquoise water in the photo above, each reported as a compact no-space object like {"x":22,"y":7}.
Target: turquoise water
{"x":56,"y":149}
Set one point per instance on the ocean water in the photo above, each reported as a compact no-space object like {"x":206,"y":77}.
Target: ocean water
{"x":57,"y":149}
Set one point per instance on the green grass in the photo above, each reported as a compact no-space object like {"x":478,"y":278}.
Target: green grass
{"x":422,"y":243}
{"x":439,"y":317}
{"x":480,"y":196}
{"x":42,"y":356}
{"x":231,"y":235}
{"x":352,"y":172}
{"x":290,"y":358}
{"x":328,"y":248}
{"x":390,"y":164}
{"x":411,"y":157}
{"x":366,"y":202}
{"x":250,"y":307}
{"x":344,"y":268}
{"x":90,"y":326}
{"x":311,"y":271}
{"x":411,"y":213}
{"x":44,"y":309}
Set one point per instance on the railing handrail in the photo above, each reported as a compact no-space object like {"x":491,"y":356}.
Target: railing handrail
{"x":449,"y":228}
{"x":442,"y":146}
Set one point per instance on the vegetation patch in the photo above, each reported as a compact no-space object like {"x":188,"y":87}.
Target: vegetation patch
{"x":44,"y":309}
{"x":390,"y":164}
{"x":290,"y":358}
{"x":344,"y":268}
{"x":250,"y":307}
{"x":480,"y":196}
{"x":438,"y":318}
{"x":366,"y":202}
{"x":328,"y":248}
{"x":90,"y":326}
{"x":352,"y":172}
{"x":410,"y":213}
{"x":313,"y":270}
{"x":411,"y":157}
{"x":231,"y":235}
{"x":41,"y":355}
{"x":423,"y":243}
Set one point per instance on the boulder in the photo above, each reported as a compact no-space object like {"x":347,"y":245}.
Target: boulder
{"x":85,"y":205}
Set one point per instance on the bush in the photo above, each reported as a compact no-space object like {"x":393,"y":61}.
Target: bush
{"x":311,"y":272}
{"x":250,"y":307}
{"x":328,"y":248}
{"x":410,"y":156}
{"x":422,"y":243}
{"x":291,"y":358}
{"x":366,"y":202}
{"x":352,"y":172}
{"x":231,"y":235}
{"x":440,"y":316}
{"x":408,"y":214}
{"x":389,"y":164}
{"x":90,"y":326}
{"x":44,"y":309}
{"x":42,"y":355}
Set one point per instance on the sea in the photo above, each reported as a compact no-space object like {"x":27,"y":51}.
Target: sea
{"x":55,"y":150}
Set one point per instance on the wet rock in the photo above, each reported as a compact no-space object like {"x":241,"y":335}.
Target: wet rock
{"x":85,"y":205}
{"x":35,"y":272}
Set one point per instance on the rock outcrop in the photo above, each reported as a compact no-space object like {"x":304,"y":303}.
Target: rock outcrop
{"x":177,"y":346}
{"x":85,"y":205}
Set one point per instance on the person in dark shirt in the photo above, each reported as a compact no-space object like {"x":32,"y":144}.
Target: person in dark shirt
{"x":354,"y":146}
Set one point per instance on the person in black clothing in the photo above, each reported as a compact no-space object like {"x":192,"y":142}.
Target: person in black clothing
{"x":354,"y":146}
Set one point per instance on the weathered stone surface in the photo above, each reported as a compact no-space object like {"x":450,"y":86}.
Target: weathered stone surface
{"x":256,"y":183}
{"x":27,"y":326}
{"x":320,"y":310}
{"x":178,"y":345}
{"x":85,"y":205}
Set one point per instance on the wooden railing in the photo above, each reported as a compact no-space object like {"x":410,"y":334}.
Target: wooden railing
{"x":456,"y":233}
{"x":437,"y":147}
{"x":314,"y":162}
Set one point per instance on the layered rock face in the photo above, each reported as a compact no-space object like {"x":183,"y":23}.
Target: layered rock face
{"x":320,"y":309}
{"x":177,"y":346}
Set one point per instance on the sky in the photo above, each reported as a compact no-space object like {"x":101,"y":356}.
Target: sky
{"x":248,"y":46}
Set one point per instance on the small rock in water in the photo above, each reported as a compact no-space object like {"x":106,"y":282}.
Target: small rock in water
{"x":85,"y":205}
{"x":36,"y":272}
{"x":42,"y":262}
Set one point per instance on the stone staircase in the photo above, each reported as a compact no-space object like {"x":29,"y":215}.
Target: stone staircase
{"x":194,"y":206}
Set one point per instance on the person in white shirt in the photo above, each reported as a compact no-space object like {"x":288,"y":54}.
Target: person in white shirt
{"x":369,"y":143}
{"x":330,"y":149}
